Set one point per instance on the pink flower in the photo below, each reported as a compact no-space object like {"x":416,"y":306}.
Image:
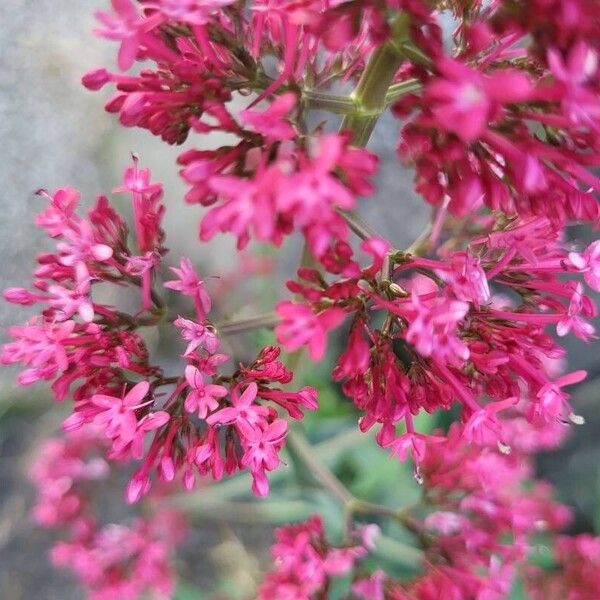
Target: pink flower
{"x":415,"y":443}
{"x":580,"y":104}
{"x":483,"y":427}
{"x":300,"y":327}
{"x":117,"y":415}
{"x":433,"y":327}
{"x":356,"y":359}
{"x":371,"y":588}
{"x":57,"y":216}
{"x":552,"y":401}
{"x":464,"y":99}
{"x":203,"y":397}
{"x":71,"y":301}
{"x":194,"y":12}
{"x":271,"y":123}
{"x":125,"y":26}
{"x":243,"y":410}
{"x":197,"y":335}
{"x":588,"y":263}
{"x":147,"y":423}
{"x":261,"y":451}
{"x":40,"y":345}
{"x":445,"y":522}
{"x":572,"y":321}
{"x":82,"y":247}
{"x":191,"y":285}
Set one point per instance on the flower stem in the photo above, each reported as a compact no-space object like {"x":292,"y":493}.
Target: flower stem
{"x":267,"y":321}
{"x":370,"y":94}
{"x":327,"y":479}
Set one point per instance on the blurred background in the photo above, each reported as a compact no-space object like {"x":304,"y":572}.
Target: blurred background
{"x":55,"y":133}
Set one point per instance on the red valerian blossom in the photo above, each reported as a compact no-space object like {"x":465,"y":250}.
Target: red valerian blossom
{"x":89,"y":356}
{"x":114,"y":560}
{"x":500,"y":121}
{"x":305,"y":561}
{"x":575,"y":574}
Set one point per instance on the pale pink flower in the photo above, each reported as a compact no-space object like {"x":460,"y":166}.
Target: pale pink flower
{"x":588,"y":263}
{"x":572,"y":321}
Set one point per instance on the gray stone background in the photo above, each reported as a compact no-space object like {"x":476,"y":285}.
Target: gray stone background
{"x":53,"y":133}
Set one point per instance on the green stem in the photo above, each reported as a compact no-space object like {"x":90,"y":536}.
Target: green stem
{"x":371,"y":92}
{"x":267,"y":321}
{"x":344,"y":105}
{"x":312,"y":460}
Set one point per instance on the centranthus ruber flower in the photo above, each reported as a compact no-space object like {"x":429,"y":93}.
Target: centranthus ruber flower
{"x":500,"y":121}
{"x":197,"y":336}
{"x":261,"y":451}
{"x":588,"y":263}
{"x":202,"y":397}
{"x":300,"y":326}
{"x":189,"y":284}
{"x":117,"y":415}
{"x":243,"y":411}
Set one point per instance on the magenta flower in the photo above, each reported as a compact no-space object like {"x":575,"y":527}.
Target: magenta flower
{"x":483,"y":427}
{"x":196,"y":335}
{"x":125,"y":25}
{"x":146,"y":424}
{"x":434,"y":326}
{"x":243,"y":410}
{"x":203,"y":397}
{"x":262,"y":451}
{"x":189,"y":284}
{"x":552,"y":402}
{"x":117,"y":415}
{"x":301,"y":327}
{"x":464,"y":99}
{"x":194,"y":12}
{"x":271,"y":123}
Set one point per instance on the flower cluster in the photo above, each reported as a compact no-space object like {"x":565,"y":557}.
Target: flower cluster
{"x":93,"y":351}
{"x":305,"y":561}
{"x":432,"y":334}
{"x":576,"y":571}
{"x":110,"y":561}
{"x":499,"y":120}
